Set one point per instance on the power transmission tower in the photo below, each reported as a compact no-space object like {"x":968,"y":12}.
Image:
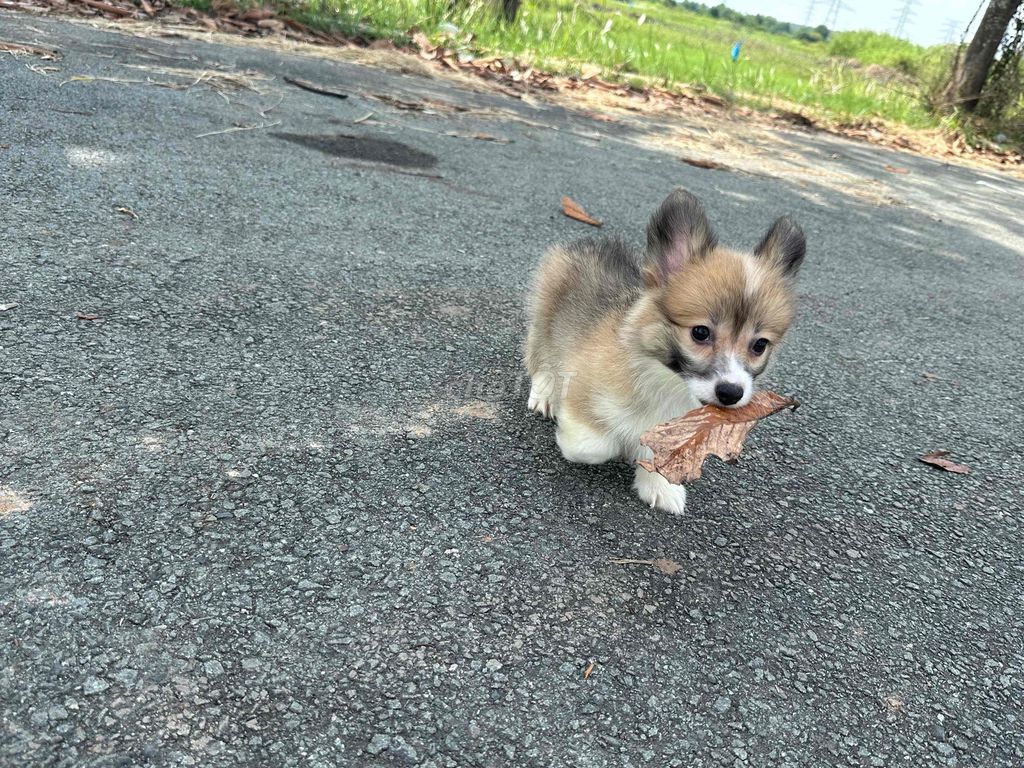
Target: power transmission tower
{"x":905,"y":14}
{"x":832,"y":14}
{"x":811,"y":5}
{"x":951,"y":31}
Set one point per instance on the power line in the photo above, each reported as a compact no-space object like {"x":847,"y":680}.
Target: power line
{"x":811,"y":5}
{"x":832,"y":14}
{"x":905,"y":14}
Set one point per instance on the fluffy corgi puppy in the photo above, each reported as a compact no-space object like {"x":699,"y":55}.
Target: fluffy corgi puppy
{"x":621,"y":340}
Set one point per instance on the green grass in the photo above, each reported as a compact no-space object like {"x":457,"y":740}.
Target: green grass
{"x":653,"y":41}
{"x":888,"y":51}
{"x":668,"y":46}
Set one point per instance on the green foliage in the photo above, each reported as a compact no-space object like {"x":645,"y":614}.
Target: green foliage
{"x":753,"y":20}
{"x":656,"y":41}
{"x":879,"y":48}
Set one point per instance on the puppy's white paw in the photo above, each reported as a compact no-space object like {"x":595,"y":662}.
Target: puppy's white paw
{"x":658,"y":492}
{"x":541,"y":403}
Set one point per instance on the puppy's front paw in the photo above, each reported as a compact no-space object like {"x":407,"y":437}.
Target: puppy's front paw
{"x":658,"y":492}
{"x":541,"y":403}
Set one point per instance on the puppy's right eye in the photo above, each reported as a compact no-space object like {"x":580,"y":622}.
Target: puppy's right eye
{"x":700,"y":333}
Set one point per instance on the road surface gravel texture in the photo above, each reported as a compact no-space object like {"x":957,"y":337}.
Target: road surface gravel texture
{"x":270,"y":495}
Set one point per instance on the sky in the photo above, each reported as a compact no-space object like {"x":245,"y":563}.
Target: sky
{"x":930,"y":23}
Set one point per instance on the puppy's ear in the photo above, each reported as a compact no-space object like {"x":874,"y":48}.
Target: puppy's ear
{"x":678,"y":233}
{"x":784,"y":246}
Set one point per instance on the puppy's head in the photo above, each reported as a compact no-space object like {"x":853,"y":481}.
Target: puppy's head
{"x":715,"y":315}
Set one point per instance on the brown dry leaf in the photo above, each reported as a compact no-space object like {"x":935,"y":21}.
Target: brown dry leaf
{"x":667,"y":566}
{"x":588,"y":671}
{"x":935,"y":458}
{"x":127,"y":212}
{"x":573,"y":210}
{"x":702,"y":163}
{"x":896,"y":169}
{"x":422,"y":42}
{"x":681,"y":446}
{"x":85,"y":316}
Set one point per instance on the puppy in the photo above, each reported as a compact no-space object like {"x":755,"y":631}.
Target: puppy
{"x":620,"y":340}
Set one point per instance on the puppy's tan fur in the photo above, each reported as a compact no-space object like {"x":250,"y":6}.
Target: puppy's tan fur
{"x":610,"y":348}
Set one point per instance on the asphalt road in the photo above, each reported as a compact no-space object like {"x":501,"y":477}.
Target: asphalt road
{"x":281,"y":503}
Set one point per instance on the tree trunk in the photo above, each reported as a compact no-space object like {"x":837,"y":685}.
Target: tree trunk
{"x":971,"y":72}
{"x":509,"y":9}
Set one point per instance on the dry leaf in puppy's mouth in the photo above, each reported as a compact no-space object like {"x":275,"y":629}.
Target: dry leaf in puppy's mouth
{"x":681,"y":446}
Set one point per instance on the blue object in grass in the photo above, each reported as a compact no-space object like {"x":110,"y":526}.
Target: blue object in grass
{"x":736,"y":50}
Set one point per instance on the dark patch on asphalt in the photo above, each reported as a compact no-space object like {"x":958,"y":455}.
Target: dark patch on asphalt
{"x":367,"y":148}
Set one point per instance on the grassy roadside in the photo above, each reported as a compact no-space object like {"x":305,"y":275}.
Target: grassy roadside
{"x":853,"y":78}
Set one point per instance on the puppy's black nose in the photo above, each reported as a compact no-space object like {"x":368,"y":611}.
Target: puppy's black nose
{"x":728,"y":394}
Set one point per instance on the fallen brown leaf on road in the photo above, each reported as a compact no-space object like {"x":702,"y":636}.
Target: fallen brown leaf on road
{"x":573,"y":210}
{"x":5,"y":307}
{"x":127,"y":212}
{"x":701,"y":163}
{"x":896,"y":169}
{"x":935,"y":458}
{"x":588,"y":671}
{"x":681,"y":446}
{"x":85,"y":316}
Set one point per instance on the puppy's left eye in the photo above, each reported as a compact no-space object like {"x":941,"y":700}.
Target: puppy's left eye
{"x":759,"y":346}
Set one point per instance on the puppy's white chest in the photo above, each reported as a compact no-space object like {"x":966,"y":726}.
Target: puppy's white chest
{"x":660,"y":397}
